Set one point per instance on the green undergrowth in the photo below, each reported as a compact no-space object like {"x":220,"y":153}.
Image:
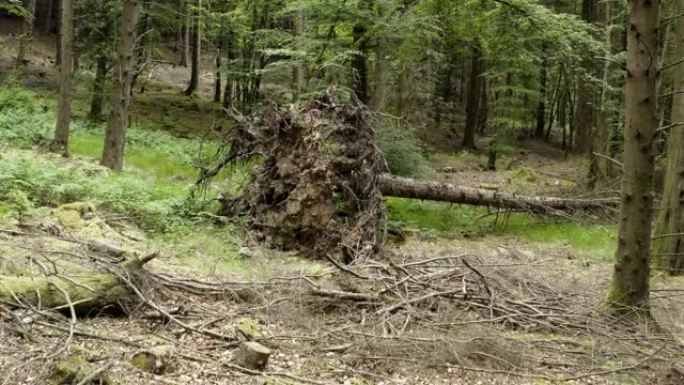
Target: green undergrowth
{"x":436,"y":219}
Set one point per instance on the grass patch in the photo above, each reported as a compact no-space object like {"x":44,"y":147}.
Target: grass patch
{"x":592,"y":240}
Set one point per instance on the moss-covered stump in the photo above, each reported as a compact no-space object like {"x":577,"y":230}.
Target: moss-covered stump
{"x":157,"y":360}
{"x":74,"y":370}
{"x":252,"y":355}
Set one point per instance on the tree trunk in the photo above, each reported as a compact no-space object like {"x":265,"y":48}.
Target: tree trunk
{"x":298,"y":75}
{"x":541,"y":107}
{"x":185,"y":34}
{"x":629,"y":291}
{"x":98,"y":89}
{"x":404,"y":97}
{"x":27,"y":35}
{"x":483,"y":115}
{"x":196,"y":47}
{"x":228,"y":90}
{"x":217,"y":77}
{"x":360,"y":64}
{"x":474,"y":92}
{"x":60,"y":143}
{"x":584,"y":114}
{"x":380,"y":86}
{"x":400,"y":187}
{"x":115,"y":136}
{"x":669,"y":238}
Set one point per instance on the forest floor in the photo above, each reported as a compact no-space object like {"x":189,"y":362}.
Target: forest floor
{"x":266,"y":295}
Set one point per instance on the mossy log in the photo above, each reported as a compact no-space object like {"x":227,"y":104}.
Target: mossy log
{"x":76,"y":370}
{"x":86,"y":293}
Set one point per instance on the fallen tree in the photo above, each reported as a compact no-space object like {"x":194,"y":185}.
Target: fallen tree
{"x":395,"y":186}
{"x":321,"y":180}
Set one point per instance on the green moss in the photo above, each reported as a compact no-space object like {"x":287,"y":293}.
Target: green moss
{"x":67,"y":371}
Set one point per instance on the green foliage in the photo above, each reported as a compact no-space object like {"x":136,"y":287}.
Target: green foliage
{"x":402,"y":152}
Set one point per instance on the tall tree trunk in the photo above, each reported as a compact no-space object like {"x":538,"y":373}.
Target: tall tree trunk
{"x":27,"y":34}
{"x":541,"y":106}
{"x":115,"y":135}
{"x":48,"y":18}
{"x":562,"y":103}
{"x":360,"y":64}
{"x":298,"y":35}
{"x":196,"y":47}
{"x":98,"y":89}
{"x":404,"y":96}
{"x":217,"y":76}
{"x":669,"y":239}
{"x":185,"y":34}
{"x":483,"y":115}
{"x":60,"y":143}
{"x":380,"y":86}
{"x":228,"y":90}
{"x":584,"y":114}
{"x":474,"y":92}
{"x":629,"y":292}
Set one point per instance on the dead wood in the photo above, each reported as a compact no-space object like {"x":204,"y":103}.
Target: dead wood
{"x":396,"y":186}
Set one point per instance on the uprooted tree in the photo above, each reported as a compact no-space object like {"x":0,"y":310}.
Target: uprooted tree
{"x":322,"y":180}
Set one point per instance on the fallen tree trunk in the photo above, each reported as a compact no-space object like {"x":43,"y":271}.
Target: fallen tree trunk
{"x":85,"y":293}
{"x":395,"y":186}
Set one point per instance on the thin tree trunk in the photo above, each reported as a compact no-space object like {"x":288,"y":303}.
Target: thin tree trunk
{"x":98,"y":89}
{"x":360,"y":65}
{"x":483,"y":115}
{"x":298,"y":75}
{"x":196,"y":47}
{"x":629,"y":292}
{"x":217,"y":76}
{"x":541,"y":106}
{"x":380,"y":87}
{"x":115,"y":136}
{"x":405,"y":90}
{"x":230,"y":83}
{"x":48,"y":18}
{"x":669,"y":243}
{"x":60,"y":143}
{"x":27,"y":36}
{"x":474,"y":91}
{"x":185,"y":34}
{"x":585,"y":113}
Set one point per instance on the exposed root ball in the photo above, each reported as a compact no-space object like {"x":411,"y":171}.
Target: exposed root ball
{"x":316,"y":188}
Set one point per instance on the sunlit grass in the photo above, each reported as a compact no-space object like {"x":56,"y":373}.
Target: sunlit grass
{"x":595,"y":241}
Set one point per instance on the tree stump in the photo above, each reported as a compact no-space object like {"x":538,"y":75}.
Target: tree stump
{"x":252,"y":355}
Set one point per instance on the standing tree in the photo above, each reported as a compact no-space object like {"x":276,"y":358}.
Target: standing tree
{"x":27,"y":33}
{"x":196,"y":46}
{"x":115,"y":136}
{"x":584,"y":116}
{"x":474,"y":94}
{"x":669,"y":242}
{"x":629,"y":292}
{"x":60,"y":143}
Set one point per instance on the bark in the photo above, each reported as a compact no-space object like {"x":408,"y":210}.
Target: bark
{"x":669,"y":238}
{"x":98,"y":89}
{"x":252,"y":355}
{"x":360,"y":64}
{"x":196,"y":47}
{"x":217,"y":76}
{"x":400,"y":187}
{"x":60,"y":142}
{"x":185,"y":32}
{"x":27,"y":35}
{"x":541,"y":107}
{"x":298,"y":75}
{"x":483,"y":115}
{"x":380,"y":87}
{"x":115,"y":135}
{"x":584,"y":115}
{"x":228,"y":90}
{"x":405,"y":86}
{"x":474,"y":92}
{"x":629,"y":291}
